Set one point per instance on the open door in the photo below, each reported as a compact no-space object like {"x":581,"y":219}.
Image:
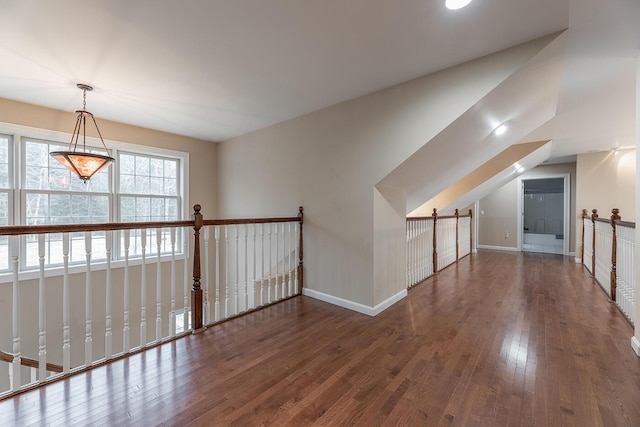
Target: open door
{"x":544,"y":214}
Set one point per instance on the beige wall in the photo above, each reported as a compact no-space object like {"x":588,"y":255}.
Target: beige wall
{"x":500,"y":208}
{"x":606,"y":181}
{"x":497,"y":217}
{"x":202,"y":154}
{"x":331,"y":162}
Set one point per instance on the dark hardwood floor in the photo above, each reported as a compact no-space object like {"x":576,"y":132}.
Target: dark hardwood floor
{"x":498,"y":339}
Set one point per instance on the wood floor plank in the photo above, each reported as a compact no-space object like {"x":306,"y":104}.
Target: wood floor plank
{"x":497,"y":339}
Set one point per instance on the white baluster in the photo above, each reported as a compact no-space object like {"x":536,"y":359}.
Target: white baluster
{"x":276,"y":284}
{"x":409,"y":254}
{"x":42,"y":313}
{"x":88,"y":337}
{"x":187,"y":284}
{"x":14,"y":372}
{"x":262,"y":263}
{"x":246,"y":269}
{"x":417,"y":244}
{"x":270,"y":266}
{"x":143,"y":288}
{"x":126,"y":333}
{"x":253,"y":283}
{"x":158,"y":286}
{"x":226,"y":271}
{"x":237,"y":281}
{"x":297,"y":254}
{"x":66,"y":331}
{"x":283,"y":290}
{"x":217,"y":304}
{"x":108,"y":335}
{"x":172,"y":313}
{"x":207,"y":314}
{"x":289,"y":279}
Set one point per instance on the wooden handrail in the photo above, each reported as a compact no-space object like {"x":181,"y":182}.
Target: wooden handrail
{"x":31,"y":363}
{"x":16,"y":230}
{"x":422,"y":218}
{"x":615,"y":220}
{"x":435,"y":217}
{"x":197,"y":295}
{"x":250,"y":221}
{"x":197,"y":222}
{"x":626,"y":224}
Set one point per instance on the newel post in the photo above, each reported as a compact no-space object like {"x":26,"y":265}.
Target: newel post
{"x":470,"y":231}
{"x":196,"y":291}
{"x":594,"y":215}
{"x":300,"y":250}
{"x":435,"y":246}
{"x":585,"y":215}
{"x":457,"y":224}
{"x":615,"y":216}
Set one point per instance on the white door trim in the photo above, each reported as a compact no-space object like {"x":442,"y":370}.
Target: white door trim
{"x":567,"y":207}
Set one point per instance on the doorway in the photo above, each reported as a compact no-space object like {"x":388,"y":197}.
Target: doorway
{"x":543,"y":214}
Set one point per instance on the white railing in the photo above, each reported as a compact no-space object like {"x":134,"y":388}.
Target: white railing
{"x":608,"y":253}
{"x":625,"y":269}
{"x":249,"y":266}
{"x":54,"y":322}
{"x":419,"y":250}
{"x":446,"y":241}
{"x":434,"y":243}
{"x":464,"y":236}
{"x":604,"y":248}
{"x":82,"y":315}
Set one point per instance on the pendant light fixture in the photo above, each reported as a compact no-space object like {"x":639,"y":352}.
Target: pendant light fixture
{"x":81,"y":162}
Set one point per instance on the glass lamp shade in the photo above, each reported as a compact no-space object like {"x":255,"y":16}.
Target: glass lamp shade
{"x":85,"y":165}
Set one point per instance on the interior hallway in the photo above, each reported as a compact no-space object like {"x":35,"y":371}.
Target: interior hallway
{"x":498,"y":339}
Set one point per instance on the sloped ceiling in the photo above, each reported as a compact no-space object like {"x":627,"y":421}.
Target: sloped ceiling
{"x":215,"y":69}
{"x":517,"y":101}
{"x":494,"y":173}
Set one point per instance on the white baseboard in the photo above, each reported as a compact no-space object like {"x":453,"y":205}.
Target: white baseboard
{"x":578,"y":260}
{"x":498,"y":248}
{"x":573,"y":254}
{"x":475,"y":251}
{"x":635,"y":345}
{"x":355,"y":306}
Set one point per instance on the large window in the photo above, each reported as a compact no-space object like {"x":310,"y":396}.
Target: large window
{"x":5,"y":196}
{"x":36,"y":189}
{"x":148,"y":192}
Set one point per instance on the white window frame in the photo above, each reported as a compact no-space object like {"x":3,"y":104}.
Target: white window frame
{"x":10,"y":191}
{"x":17,"y":134}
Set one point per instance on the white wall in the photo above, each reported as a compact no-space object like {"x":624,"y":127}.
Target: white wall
{"x":330,"y":162}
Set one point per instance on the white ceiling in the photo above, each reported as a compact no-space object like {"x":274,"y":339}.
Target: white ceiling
{"x":215,"y":69}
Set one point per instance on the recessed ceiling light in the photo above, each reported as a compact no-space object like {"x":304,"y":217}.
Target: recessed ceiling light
{"x":501,"y":129}
{"x":456,"y":4}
